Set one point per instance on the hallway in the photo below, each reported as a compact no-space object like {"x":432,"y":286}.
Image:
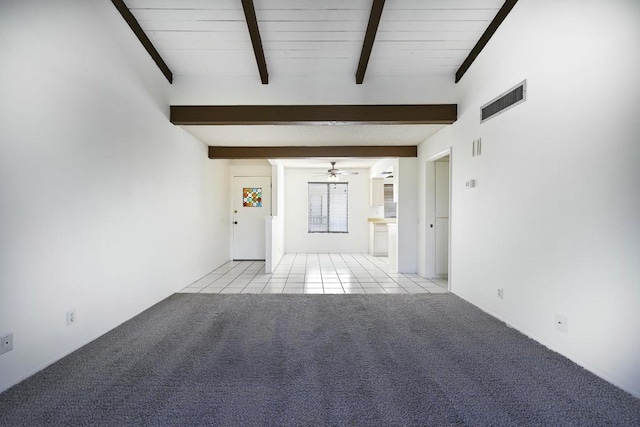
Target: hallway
{"x":315,"y":274}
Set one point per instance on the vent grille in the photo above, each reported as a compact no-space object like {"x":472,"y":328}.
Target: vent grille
{"x":502,"y":103}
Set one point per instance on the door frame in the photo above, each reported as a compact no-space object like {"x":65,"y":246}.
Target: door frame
{"x":231,"y":214}
{"x":429,"y":232}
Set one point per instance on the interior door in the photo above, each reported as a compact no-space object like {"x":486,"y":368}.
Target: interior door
{"x":251,"y":205}
{"x":442,"y":218}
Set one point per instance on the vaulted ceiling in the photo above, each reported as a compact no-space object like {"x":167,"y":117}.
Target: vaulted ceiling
{"x":358,"y":38}
{"x":307,"y":37}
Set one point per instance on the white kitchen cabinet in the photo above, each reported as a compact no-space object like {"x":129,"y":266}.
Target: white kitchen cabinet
{"x":377,"y":192}
{"x":378,"y":239}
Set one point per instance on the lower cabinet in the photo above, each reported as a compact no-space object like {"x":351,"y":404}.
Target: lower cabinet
{"x":378,"y":240}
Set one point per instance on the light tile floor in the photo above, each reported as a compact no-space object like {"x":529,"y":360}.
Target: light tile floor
{"x":315,"y":274}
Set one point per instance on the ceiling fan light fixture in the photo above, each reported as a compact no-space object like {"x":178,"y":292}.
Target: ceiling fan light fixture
{"x":333,"y":178}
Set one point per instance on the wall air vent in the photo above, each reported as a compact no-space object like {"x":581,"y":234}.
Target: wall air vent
{"x":502,"y":103}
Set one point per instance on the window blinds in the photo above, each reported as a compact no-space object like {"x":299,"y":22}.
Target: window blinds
{"x":328,"y":207}
{"x":390,"y":208}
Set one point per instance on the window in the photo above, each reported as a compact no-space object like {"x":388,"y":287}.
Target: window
{"x":328,"y":207}
{"x":390,"y":206}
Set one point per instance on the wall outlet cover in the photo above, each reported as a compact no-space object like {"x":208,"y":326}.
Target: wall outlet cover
{"x":71,"y":317}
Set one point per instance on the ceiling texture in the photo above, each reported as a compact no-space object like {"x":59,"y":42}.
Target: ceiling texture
{"x":359,"y":38}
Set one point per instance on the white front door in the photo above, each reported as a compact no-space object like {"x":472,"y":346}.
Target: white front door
{"x":251,"y":204}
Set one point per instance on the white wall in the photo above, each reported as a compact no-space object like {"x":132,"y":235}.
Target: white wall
{"x":407,"y":216}
{"x":554,"y":219}
{"x":250,"y":167}
{"x":275,"y":224}
{"x":106,"y":207}
{"x":332,"y":88}
{"x":383,"y":165}
{"x":297,"y":238}
{"x":405,"y":173}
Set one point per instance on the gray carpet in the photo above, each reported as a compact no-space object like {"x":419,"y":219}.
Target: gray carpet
{"x":314,"y":360}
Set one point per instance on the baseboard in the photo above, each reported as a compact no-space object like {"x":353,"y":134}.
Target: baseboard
{"x":573,"y":358}
{"x":89,"y":338}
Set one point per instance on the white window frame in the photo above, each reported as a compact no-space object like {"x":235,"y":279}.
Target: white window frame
{"x":319,"y":214}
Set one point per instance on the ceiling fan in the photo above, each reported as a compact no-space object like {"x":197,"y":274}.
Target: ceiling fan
{"x":334,"y":174}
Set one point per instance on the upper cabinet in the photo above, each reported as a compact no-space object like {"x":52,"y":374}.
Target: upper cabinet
{"x":377,"y":192}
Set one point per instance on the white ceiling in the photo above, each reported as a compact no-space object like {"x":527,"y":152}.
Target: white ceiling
{"x":314,"y":37}
{"x":312,"y":135}
{"x":324,"y":164}
{"x":307,"y":37}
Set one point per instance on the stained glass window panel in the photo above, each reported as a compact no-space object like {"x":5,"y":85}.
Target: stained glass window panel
{"x":252,"y":197}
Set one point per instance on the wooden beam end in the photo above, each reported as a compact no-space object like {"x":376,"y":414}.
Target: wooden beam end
{"x":486,"y":36}
{"x":142,"y":37}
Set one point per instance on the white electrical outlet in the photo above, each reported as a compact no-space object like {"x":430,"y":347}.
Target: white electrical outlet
{"x":71,"y":317}
{"x":561,"y":323}
{"x":501,"y":293}
{"x":6,"y":343}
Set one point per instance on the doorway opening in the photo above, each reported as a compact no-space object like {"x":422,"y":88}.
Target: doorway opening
{"x":438,"y":232}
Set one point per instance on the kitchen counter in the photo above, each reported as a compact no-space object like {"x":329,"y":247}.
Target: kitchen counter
{"x":382,"y":220}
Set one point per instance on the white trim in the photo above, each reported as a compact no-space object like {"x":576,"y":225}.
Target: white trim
{"x":430,"y":240}
{"x":569,"y":356}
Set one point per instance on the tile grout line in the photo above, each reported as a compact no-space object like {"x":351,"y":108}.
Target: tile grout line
{"x":327,"y":265}
{"x":362,"y":265}
{"x":352,"y":274}
{"x":234,"y":279}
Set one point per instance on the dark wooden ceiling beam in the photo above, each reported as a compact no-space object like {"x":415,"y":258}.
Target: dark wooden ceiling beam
{"x":216,"y":152}
{"x":139,"y":32}
{"x":486,"y":36}
{"x":369,"y":38}
{"x":256,"y":40}
{"x":313,"y":114}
